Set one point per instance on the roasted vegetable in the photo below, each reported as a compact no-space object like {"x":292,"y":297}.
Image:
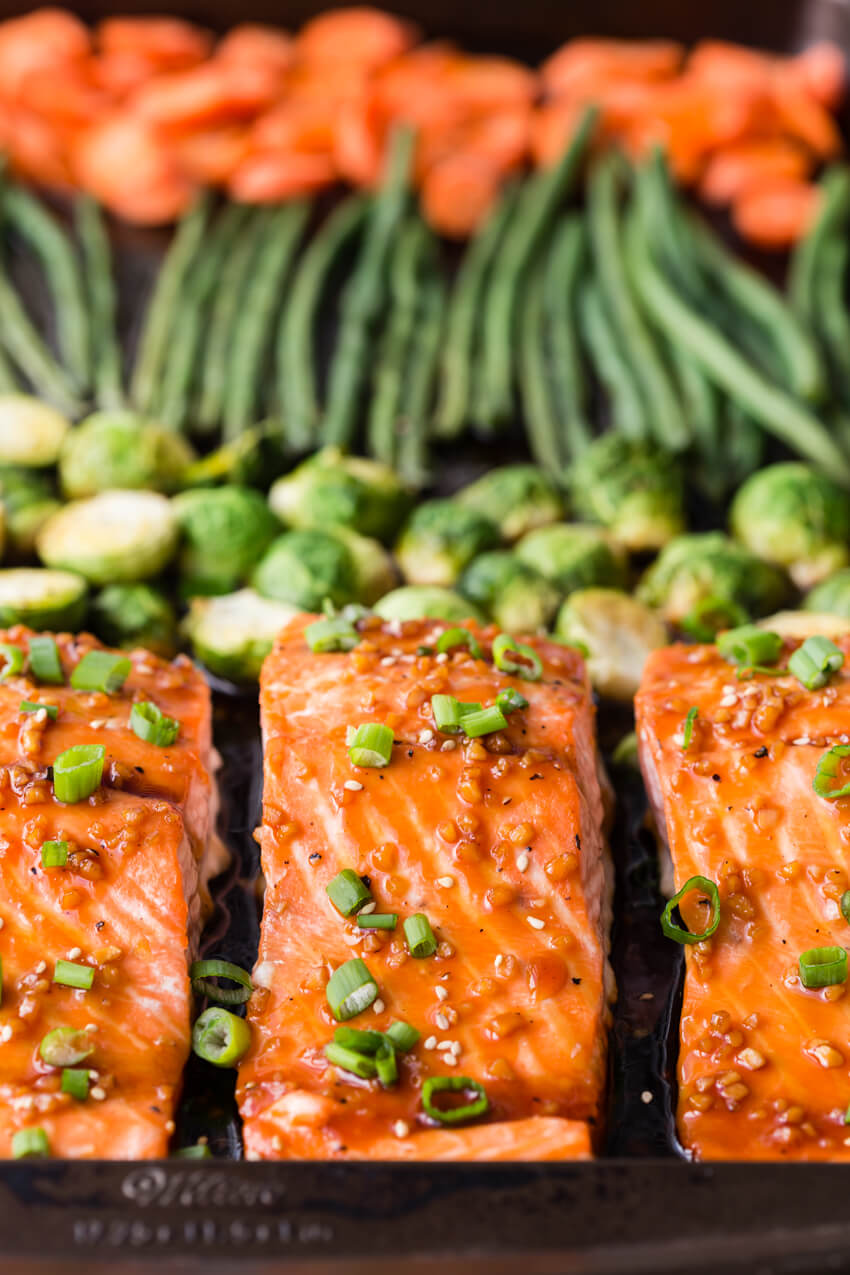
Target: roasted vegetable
{"x":225,"y":531}
{"x":113,"y":537}
{"x":441,"y":537}
{"x":28,"y":499}
{"x":234,"y":633}
{"x":517,"y":498}
{"x":31,"y":432}
{"x":573,"y":556}
{"x":514,"y":594}
{"x":311,"y":567}
{"x":133,"y":615}
{"x":121,"y":449}
{"x":42,"y":599}
{"x":426,"y":602}
{"x":831,"y":596}
{"x":331,"y":489}
{"x":632,"y":488}
{"x":617,"y":631}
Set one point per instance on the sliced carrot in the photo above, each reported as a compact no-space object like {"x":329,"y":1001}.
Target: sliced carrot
{"x":296,"y":124}
{"x":733,"y":170}
{"x":48,"y":39}
{"x":214,"y":93}
{"x":269,"y":176}
{"x":169,"y":44}
{"x":725,"y":65}
{"x":256,"y":45}
{"x":125,"y":164}
{"x":500,"y":136}
{"x":414,"y":87}
{"x":775,"y":214}
{"x":458,"y":192}
{"x":36,"y":149}
{"x":210,"y":156}
{"x":67,"y":95}
{"x":803,"y":117}
{"x":486,"y":84}
{"x":578,"y":64}
{"x":360,"y":36}
{"x":121,"y":72}
{"x":359,"y":138}
{"x":821,"y":70}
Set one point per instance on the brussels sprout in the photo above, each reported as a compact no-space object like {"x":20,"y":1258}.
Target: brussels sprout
{"x":121,"y":449}
{"x":234,"y":633}
{"x":440,"y":539}
{"x":803,"y":624}
{"x":225,"y":532}
{"x":132,"y":615}
{"x":632,"y":488}
{"x":251,"y":460}
{"x":794,"y":516}
{"x":706,"y":581}
{"x":31,"y":432}
{"x":517,"y":597}
{"x":618,"y":633}
{"x":374,"y":568}
{"x":517,"y":497}
{"x":574,"y":556}
{"x":307,"y":568}
{"x":28,"y":499}
{"x":831,"y":596}
{"x":331,"y":489}
{"x":42,"y":599}
{"x":423,"y":602}
{"x":114,"y":537}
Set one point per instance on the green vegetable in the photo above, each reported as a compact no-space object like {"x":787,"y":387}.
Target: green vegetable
{"x":224,"y":533}
{"x":678,"y":933}
{"x":13,"y":660}
{"x":422,"y":602}
{"x":832,"y":766}
{"x":45,"y":661}
{"x":419,"y":936}
{"x":618,"y":633}
{"x":418,"y":392}
{"x":349,"y":1060}
{"x":749,"y":645}
{"x":120,"y":449}
{"x":370,"y":745}
{"x":202,"y":973}
{"x":831,"y":596}
{"x":101,"y":671}
{"x":331,"y":489}
{"x":510,"y":656}
{"x":108,"y":377}
{"x":76,"y":775}
{"x":560,"y":297}
{"x":573,"y":556}
{"x":42,"y":599}
{"x":540,"y":410}
{"x":518,"y":498}
{"x":440,"y":539}
{"x":23,"y":344}
{"x":632,"y":488}
{"x":27,"y":499}
{"x":28,"y":1143}
{"x":113,"y":537}
{"x":220,"y":1038}
{"x":350,"y":990}
{"x":515,"y":594}
{"x":305,"y":568}
{"x":815,"y":661}
{"x":75,"y":1081}
{"x":149,"y":723}
{"x":134,"y":615}
{"x":347,"y":891}
{"x":610,"y":363}
{"x":454,"y":1084}
{"x":233,"y":634}
{"x":31,"y":432}
{"x":823,"y":967}
{"x":791,"y":515}
{"x":832,"y":215}
{"x":65,"y":1046}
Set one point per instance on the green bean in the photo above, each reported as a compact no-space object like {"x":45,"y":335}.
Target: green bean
{"x":181,"y":365}
{"x":61,"y":268}
{"x":833,"y":319}
{"x":158,"y":327}
{"x":421,"y":380}
{"x":365,"y":294}
{"x":538,"y":205}
{"x":833,"y":211}
{"x":670,"y":233}
{"x":559,"y":296}
{"x":775,"y":410}
{"x":463,"y":320}
{"x":226,"y":303}
{"x":612,"y":369}
{"x":259,"y":308}
{"x":23,"y":344}
{"x":701,"y":402}
{"x":298,"y":399}
{"x":108,"y":376}
{"x":662,"y":408}
{"x":539,"y":410}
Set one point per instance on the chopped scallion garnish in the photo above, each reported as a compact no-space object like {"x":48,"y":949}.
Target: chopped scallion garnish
{"x":711,"y":615}
{"x":371,"y":745}
{"x":386,"y":1064}
{"x":347,"y":892}
{"x":510,"y":701}
{"x":453,"y":1084}
{"x":76,"y":1081}
{"x":815,"y":661}
{"x":45,"y":664}
{"x":349,"y":1060}
{"x":378,"y":921}
{"x":334,"y":634}
{"x":220,"y":1038}
{"x":458,"y":637}
{"x":198,"y":1151}
{"x":150,"y":724}
{"x":65,"y":1046}
{"x":77,"y":772}
{"x":446,"y":711}
{"x":54,"y":854}
{"x":419,"y":935}
{"x":71,"y":974}
{"x":483,"y":721}
{"x":512,"y":657}
{"x":29,"y":1142}
{"x":677,"y":932}
{"x":362,"y":1042}
{"x":101,"y":671}
{"x":829,"y":768}
{"x":402,"y":1035}
{"x":200,"y":972}
{"x":749,"y":646}
{"x":30,"y":706}
{"x":351,"y":989}
{"x":823,"y":966}
{"x":688,"y":732}
{"x":845,"y":906}
{"x":13,"y":660}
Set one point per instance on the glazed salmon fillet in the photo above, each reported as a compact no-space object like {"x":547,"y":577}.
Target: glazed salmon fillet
{"x":498,"y":841}
{"x":124,"y":906}
{"x":764,"y":1062}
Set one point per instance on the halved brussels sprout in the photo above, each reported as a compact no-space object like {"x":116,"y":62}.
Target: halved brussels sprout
{"x":122,"y":450}
{"x":225,"y":531}
{"x":373,"y":566}
{"x":803,"y":624}
{"x":832,"y":595}
{"x":795,"y":517}
{"x":440,"y":538}
{"x":31,"y":432}
{"x":517,"y":596}
{"x":423,"y":602}
{"x":618,"y":632}
{"x":135,"y":615}
{"x":27,"y":498}
{"x":517,"y":498}
{"x":114,"y":537}
{"x":574,"y":556}
{"x":306,"y":568}
{"x":632,"y":488}
{"x":42,"y":599}
{"x":232,"y":634}
{"x":332,"y":489}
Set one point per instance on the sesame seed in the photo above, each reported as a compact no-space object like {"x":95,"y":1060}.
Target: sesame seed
{"x":367,"y":909}
{"x":90,"y":1027}
{"x":401,"y":1128}
{"x":425,"y":736}
{"x":352,"y":939}
{"x":442,"y":1022}
{"x":522,"y":861}
{"x":804,"y":739}
{"x":646,"y":1097}
{"x":455,"y":1048}
{"x":535,"y":922}
{"x":388,"y":660}
{"x":41,"y":967}
{"x":443,"y":658}
{"x":97,"y":1093}
{"x":498,"y":961}
{"x":446,"y":882}
{"x":449,"y":1060}
{"x":729,"y":701}
{"x":353,"y":785}
{"x":74,"y":953}
{"x":441,"y":993}
{"x":378,"y":1006}
{"x":2,"y":923}
{"x":448,"y":745}
{"x":5,"y":1033}
{"x":170,"y":1126}
{"x":430,"y":1043}
{"x":41,"y":716}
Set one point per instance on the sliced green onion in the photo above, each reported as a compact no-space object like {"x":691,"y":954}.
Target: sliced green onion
{"x":510,"y":700}
{"x":745,"y":671}
{"x":815,"y":661}
{"x":347,"y":892}
{"x":424,"y":650}
{"x":45,"y":664}
{"x":200,"y":972}
{"x":78,"y":771}
{"x":65,"y":1046}
{"x":402,"y":1035}
{"x":220,"y":1038}
{"x":198,"y":1151}
{"x":30,"y":706}
{"x":378,"y":921}
{"x":688,"y":732}
{"x":385,"y":1061}
{"x":371,"y":745}
{"x":70,"y":974}
{"x":13,"y":660}
{"x":483,"y":721}
{"x":847,"y":1116}
{"x":458,"y":637}
{"x":29,"y":1142}
{"x":828,"y":769}
{"x":150,"y":724}
{"x":749,"y":646}
{"x":350,"y":989}
{"x":710,"y":615}
{"x":349,"y":1060}
{"x":101,"y":671}
{"x":453,"y":1084}
{"x":75,"y":1081}
{"x":823,"y":966}
{"x":845,"y":906}
{"x":420,"y":936}
{"x":361,"y":1042}
{"x":54,"y":854}
{"x":677,"y":932}
{"x":335,"y":634}
{"x":446,"y":711}
{"x":512,"y":657}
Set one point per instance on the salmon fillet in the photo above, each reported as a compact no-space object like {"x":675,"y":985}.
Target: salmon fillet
{"x":499,"y":842}
{"x":127,"y":903}
{"x":764,"y":1063}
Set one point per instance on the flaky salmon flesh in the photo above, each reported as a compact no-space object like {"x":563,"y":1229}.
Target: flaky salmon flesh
{"x":126,"y":904}
{"x":498,"y":842}
{"x":764,"y":1061}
